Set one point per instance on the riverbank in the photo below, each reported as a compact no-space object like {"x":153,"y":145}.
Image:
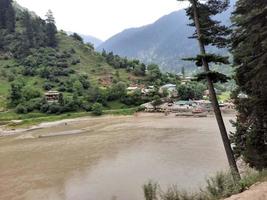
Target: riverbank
{"x":22,"y":124}
{"x":12,"y":123}
{"x":24,"y":127}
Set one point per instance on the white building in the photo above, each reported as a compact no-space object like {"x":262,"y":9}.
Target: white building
{"x":170,"y":88}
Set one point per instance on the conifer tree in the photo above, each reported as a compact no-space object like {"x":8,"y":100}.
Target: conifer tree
{"x":249,"y":48}
{"x":211,"y":32}
{"x":51,"y":29}
{"x":10,"y":19}
{"x":7,"y":15}
{"x":27,"y":23}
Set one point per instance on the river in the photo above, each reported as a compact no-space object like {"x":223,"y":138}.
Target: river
{"x":110,"y":158}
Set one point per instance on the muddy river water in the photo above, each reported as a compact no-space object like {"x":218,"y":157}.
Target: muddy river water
{"x":110,"y":158}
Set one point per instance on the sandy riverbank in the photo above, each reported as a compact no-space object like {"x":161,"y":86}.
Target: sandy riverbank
{"x":7,"y":131}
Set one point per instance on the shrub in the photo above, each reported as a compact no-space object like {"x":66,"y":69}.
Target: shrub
{"x":44,"y":108}
{"x":150,"y":191}
{"x":34,"y":104}
{"x":54,"y":108}
{"x":30,"y":92}
{"x":47,"y":86}
{"x":21,"y":109}
{"x":97,"y":109}
{"x":77,"y":37}
{"x":220,"y":186}
{"x":87,"y":106}
{"x":11,"y":77}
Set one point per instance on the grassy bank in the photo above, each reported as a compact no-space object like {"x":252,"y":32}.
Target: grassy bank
{"x":218,"y":187}
{"x":26,"y":120}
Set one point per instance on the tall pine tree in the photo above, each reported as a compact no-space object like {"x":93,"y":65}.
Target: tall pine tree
{"x":211,"y":32}
{"x":7,"y":15}
{"x":249,"y":48}
{"x":51,"y":29}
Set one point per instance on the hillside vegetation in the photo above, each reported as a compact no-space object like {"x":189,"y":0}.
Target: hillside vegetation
{"x":35,"y":57}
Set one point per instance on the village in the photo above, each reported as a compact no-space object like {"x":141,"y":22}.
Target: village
{"x":172,"y":103}
{"x":170,"y":100}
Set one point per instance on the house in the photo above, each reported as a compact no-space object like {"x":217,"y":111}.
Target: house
{"x":170,"y":88}
{"x":205,"y":104}
{"x":179,"y":76}
{"x":185,"y":103}
{"x":148,"y":90}
{"x":52,"y":96}
{"x":131,"y":89}
{"x":242,"y":95}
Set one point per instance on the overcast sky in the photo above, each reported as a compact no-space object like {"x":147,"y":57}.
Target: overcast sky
{"x":102,"y":18}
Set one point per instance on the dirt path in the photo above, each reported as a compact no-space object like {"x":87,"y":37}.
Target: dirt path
{"x":256,"y":192}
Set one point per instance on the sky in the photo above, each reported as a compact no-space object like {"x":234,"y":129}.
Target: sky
{"x":102,"y":18}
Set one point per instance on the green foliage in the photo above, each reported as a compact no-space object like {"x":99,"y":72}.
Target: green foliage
{"x":212,"y":33}
{"x":78,"y":87}
{"x":220,"y":186}
{"x":214,"y":76}
{"x":30,"y":92}
{"x":47,"y":59}
{"x":20,"y":109}
{"x":7,"y":15}
{"x":77,"y":37}
{"x":15,"y":93}
{"x":154,"y":74}
{"x":51,"y":29}
{"x":217,"y":59}
{"x":249,"y":47}
{"x":191,"y":91}
{"x":136,"y":98}
{"x":135,"y":66}
{"x":150,"y":191}
{"x":156,"y":101}
{"x":97,"y":109}
{"x":117,"y":91}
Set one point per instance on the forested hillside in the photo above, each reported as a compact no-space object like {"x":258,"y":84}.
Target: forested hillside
{"x":35,"y":57}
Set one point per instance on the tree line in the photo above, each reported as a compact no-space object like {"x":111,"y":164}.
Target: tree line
{"x":22,"y":31}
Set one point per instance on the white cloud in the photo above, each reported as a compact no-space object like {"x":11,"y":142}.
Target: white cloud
{"x":102,"y":18}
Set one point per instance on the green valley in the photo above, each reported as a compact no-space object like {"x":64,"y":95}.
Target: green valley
{"x":36,"y":59}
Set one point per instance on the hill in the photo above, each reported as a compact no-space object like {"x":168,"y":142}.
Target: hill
{"x":164,"y":42}
{"x":89,"y":39}
{"x":36,"y":58}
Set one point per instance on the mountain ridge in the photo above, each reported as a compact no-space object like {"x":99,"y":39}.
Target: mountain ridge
{"x":164,"y":42}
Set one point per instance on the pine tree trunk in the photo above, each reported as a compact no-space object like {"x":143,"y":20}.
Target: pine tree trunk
{"x":214,"y":101}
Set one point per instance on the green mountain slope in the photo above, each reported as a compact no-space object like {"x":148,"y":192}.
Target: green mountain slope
{"x":36,"y":58}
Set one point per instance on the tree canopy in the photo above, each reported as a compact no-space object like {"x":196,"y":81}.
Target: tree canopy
{"x":249,"y":47}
